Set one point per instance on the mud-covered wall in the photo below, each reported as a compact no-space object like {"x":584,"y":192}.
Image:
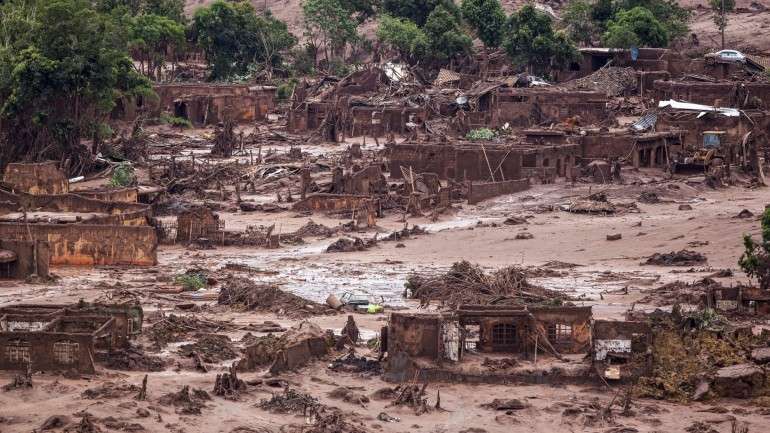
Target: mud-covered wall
{"x":578,"y":320}
{"x":85,"y":244}
{"x":123,"y":195}
{"x":414,"y":334}
{"x":37,"y":348}
{"x":36,"y":178}
{"x":480,"y":191}
{"x":73,"y":203}
{"x":27,"y":253}
{"x":332,"y":203}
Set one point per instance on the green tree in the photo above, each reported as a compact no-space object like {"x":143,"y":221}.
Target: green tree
{"x":171,"y":9}
{"x":445,"y":35}
{"x":60,"y":77}
{"x":152,"y":38}
{"x":487,"y":18}
{"x":601,"y":12}
{"x":636,"y":27}
{"x":331,"y":22}
{"x":578,"y":21}
{"x":531,"y":39}
{"x":755,"y":260}
{"x":417,"y":10}
{"x":721,"y":8}
{"x":403,"y":36}
{"x":234,"y":38}
{"x":671,"y":16}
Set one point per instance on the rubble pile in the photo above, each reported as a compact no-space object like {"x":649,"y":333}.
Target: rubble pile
{"x":291,"y":401}
{"x":294,"y":348}
{"x":613,"y":81}
{"x":466,"y":283}
{"x":351,"y":363}
{"x":347,"y":245}
{"x":676,"y":258}
{"x":174,"y":328}
{"x":185,"y":401}
{"x":680,"y":292}
{"x":211,"y":348}
{"x":244,"y":293}
{"x":134,"y":359}
{"x":694,"y":354}
{"x":228,"y":385}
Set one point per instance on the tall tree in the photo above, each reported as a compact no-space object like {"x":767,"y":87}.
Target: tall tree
{"x":531,"y":39}
{"x":153,"y":37}
{"x":635,"y":28}
{"x":577,"y":20}
{"x":234,"y":38}
{"x":755,"y":260}
{"x":416,"y":10}
{"x":404,"y":36}
{"x":721,"y":8}
{"x":445,"y":35}
{"x":332,"y":22}
{"x":60,"y":77}
{"x":487,"y":18}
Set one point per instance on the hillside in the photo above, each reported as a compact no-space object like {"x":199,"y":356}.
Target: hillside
{"x":744,"y":31}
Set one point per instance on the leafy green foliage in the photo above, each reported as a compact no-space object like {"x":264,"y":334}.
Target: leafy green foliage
{"x":416,"y":10}
{"x":531,"y":39}
{"x":487,"y":18}
{"x":332,"y":22}
{"x":62,"y":67}
{"x":445,"y":35}
{"x":636,"y":27}
{"x":191,"y":282}
{"x":755,"y":260}
{"x":577,"y":20}
{"x":171,"y":9}
{"x":285,"y":90}
{"x":234,"y":38}
{"x":481,"y":134}
{"x":122,"y":176}
{"x":403,"y":36}
{"x":179,"y":122}
{"x":152,"y":37}
{"x":668,"y":13}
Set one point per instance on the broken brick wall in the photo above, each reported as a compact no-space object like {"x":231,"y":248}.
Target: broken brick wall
{"x":31,"y":257}
{"x":36,"y":178}
{"x":74,"y":203}
{"x":47,"y":351}
{"x":568,"y":328}
{"x":416,"y":335}
{"x":333,"y":203}
{"x":123,"y":195}
{"x":723,"y":94}
{"x":480,"y":191}
{"x":86,"y":244}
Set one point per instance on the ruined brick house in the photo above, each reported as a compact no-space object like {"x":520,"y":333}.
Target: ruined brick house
{"x":61,"y":338}
{"x":741,"y":299}
{"x":204,"y":103}
{"x":734,"y":94}
{"x":483,"y":330}
{"x":621,"y":349}
{"x":80,"y":230}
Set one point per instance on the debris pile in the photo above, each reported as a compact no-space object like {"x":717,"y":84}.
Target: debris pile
{"x":211,"y":348}
{"x":244,"y":293}
{"x":228,"y":385}
{"x":346,"y":245}
{"x":293,"y":349}
{"x":351,"y":363}
{"x":614,"y":81}
{"x":185,"y":401}
{"x":676,"y":258}
{"x":174,"y":328}
{"x":680,"y":292}
{"x":134,"y":359}
{"x":291,"y":402}
{"x":466,"y":283}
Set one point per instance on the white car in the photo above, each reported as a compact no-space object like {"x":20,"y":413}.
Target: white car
{"x":727,"y":56}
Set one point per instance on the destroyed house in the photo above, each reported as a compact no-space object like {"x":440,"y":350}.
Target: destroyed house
{"x":509,"y":329}
{"x":80,"y":230}
{"x":208,"y":104}
{"x":61,"y":338}
{"x":592,"y":59}
{"x":742,"y":299}
{"x":620,"y":348}
{"x":496,"y":105}
{"x":722,"y":94}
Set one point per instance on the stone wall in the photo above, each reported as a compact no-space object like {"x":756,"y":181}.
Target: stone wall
{"x":85,"y":244}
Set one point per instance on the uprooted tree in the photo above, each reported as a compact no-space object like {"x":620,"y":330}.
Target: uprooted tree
{"x":755,"y":260}
{"x":63,"y":66}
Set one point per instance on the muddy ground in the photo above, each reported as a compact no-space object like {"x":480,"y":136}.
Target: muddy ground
{"x":609,"y":275}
